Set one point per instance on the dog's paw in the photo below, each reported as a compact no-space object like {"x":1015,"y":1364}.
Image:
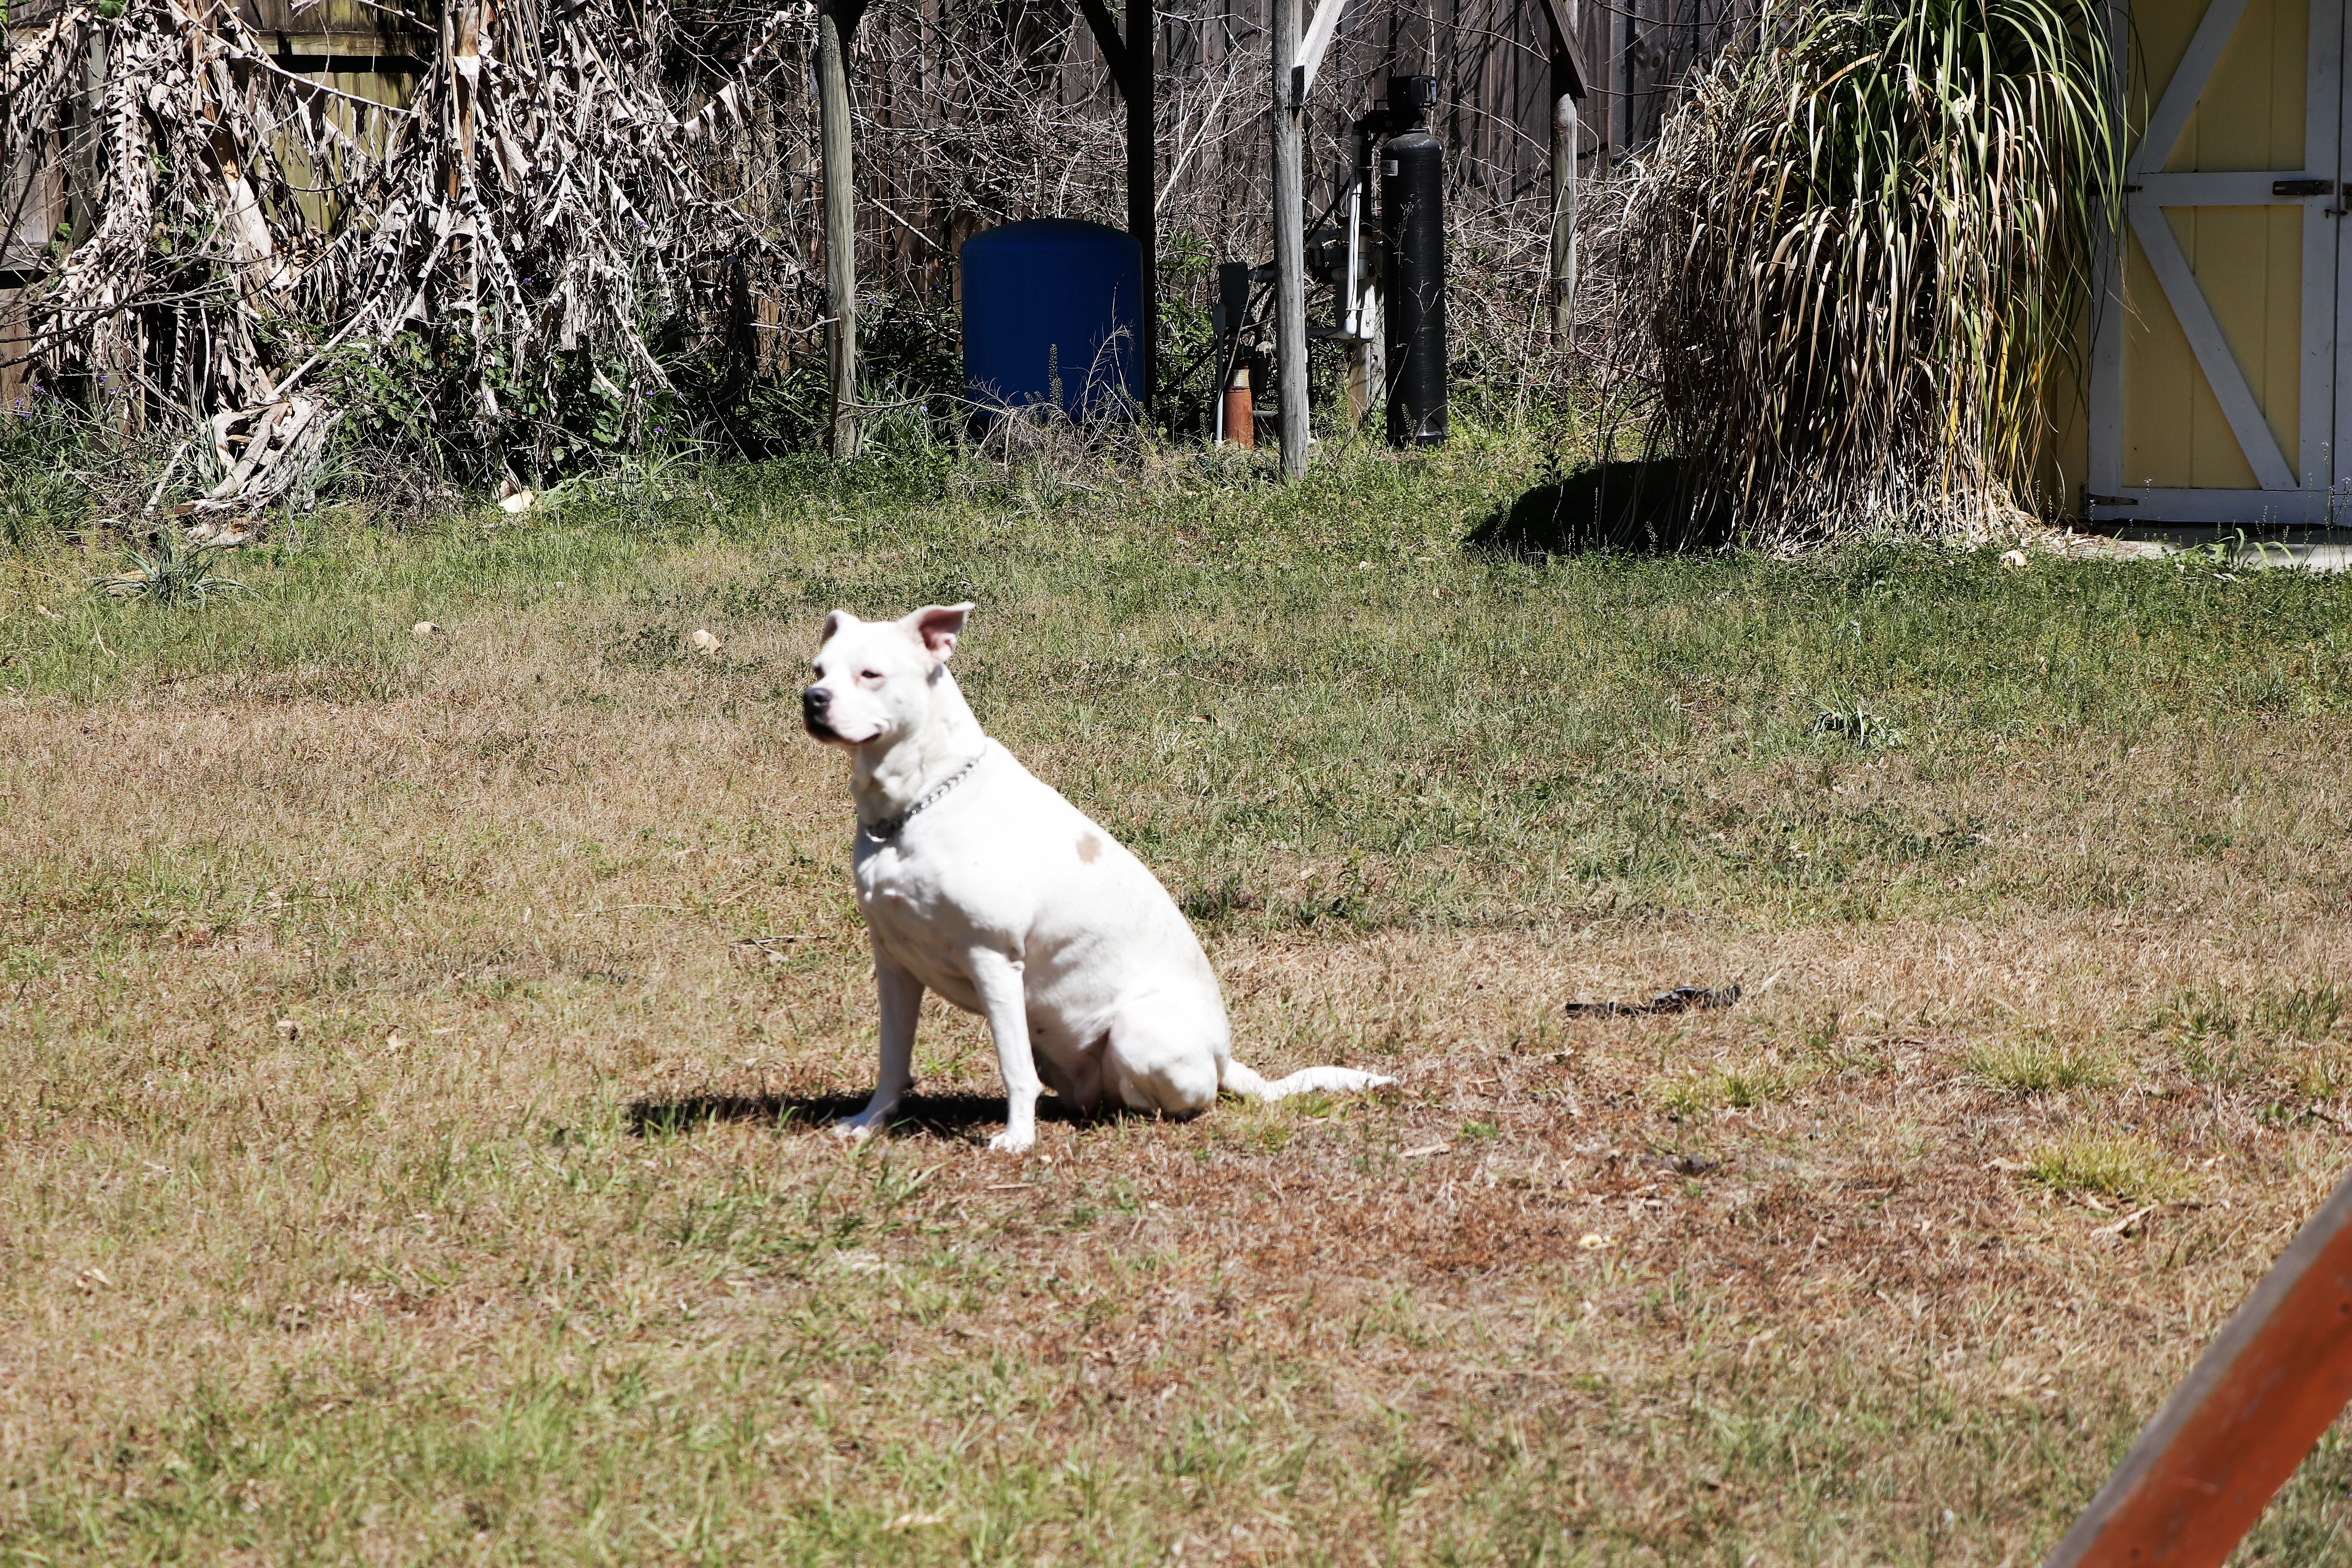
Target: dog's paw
{"x":1014,"y":1141}
{"x":856,"y":1128}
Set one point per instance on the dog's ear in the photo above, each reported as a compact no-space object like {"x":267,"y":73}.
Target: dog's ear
{"x":936,"y":626}
{"x":834,"y":623}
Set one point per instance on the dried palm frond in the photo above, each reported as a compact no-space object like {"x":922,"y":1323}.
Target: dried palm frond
{"x":258,"y":236}
{"x":1856,"y":253}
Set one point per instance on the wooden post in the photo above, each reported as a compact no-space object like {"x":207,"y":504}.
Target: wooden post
{"x":836,"y":20}
{"x":1564,"y":127}
{"x":1140,"y":87}
{"x":1130,"y":64}
{"x":2254,"y":1405}
{"x":1567,"y":87}
{"x":1290,"y":241}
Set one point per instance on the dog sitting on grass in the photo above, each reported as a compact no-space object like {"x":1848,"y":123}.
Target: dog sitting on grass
{"x":981,"y":883}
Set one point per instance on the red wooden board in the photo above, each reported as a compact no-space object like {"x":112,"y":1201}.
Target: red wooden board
{"x":2250,"y":1410}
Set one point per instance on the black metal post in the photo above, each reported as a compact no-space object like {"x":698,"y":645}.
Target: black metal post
{"x":1412,"y":227}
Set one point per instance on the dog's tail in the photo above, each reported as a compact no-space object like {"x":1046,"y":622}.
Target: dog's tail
{"x":1244,"y":1081}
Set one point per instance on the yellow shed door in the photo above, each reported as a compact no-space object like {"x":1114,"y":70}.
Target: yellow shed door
{"x":2218,"y":393}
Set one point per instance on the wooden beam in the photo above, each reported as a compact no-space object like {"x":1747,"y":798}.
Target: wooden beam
{"x":1289,"y":243}
{"x":1569,"y":78}
{"x":2103,"y":470}
{"x":1141,"y":92}
{"x":1132,"y":63}
{"x":1105,"y":27}
{"x":2170,"y":117}
{"x":1319,"y":33}
{"x":2252,"y":1409}
{"x":1568,"y":91}
{"x":12,"y":348}
{"x":2223,"y":372}
{"x":837,"y":23}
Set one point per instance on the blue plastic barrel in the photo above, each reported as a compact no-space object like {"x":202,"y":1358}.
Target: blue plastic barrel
{"x":1053,"y":313}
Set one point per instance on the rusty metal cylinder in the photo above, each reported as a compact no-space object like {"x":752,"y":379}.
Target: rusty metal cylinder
{"x":1240,"y":412}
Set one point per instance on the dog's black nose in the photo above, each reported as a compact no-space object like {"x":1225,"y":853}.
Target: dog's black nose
{"x":814,"y":702}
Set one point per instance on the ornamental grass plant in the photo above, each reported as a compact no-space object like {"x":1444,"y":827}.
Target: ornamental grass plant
{"x":1849,"y":264}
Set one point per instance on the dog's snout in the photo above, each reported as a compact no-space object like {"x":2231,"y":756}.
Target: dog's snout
{"x":815,"y":701}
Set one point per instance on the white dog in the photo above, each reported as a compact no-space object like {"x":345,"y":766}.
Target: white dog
{"x":983,"y":883}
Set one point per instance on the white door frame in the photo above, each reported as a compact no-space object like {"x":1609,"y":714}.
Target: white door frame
{"x":2295,"y":487}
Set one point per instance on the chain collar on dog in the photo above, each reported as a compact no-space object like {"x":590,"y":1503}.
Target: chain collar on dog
{"x":889,"y":827}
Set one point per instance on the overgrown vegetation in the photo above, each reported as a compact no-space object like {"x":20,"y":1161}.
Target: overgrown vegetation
{"x":578,"y":231}
{"x":1853,"y":259}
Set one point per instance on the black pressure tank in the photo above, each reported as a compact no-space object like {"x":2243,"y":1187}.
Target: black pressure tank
{"x":1412,"y":228}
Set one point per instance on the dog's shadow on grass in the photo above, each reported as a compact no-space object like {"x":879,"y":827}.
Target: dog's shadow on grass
{"x":933,"y":1115}
{"x":1633,"y":506}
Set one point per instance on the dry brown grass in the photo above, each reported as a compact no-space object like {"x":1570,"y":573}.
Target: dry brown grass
{"x":529,"y":1247}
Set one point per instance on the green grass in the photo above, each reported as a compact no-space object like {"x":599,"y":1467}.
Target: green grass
{"x":2038,"y":1066}
{"x":2113,"y":1165}
{"x":1324,"y":676}
{"x":522,"y":1249}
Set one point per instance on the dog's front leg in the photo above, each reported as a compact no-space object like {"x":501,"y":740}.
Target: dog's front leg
{"x":901,"y":997}
{"x":1005,"y":998}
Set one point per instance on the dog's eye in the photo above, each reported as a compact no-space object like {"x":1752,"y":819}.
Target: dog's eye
{"x":870,"y":675}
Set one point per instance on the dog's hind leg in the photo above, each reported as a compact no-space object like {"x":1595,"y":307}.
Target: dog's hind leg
{"x":1077,"y":1082}
{"x":1155,"y":1062}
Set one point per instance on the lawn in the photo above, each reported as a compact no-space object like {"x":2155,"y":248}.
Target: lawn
{"x":420,"y":1046}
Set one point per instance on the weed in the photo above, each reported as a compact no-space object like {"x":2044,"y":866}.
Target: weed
{"x":1858,"y":726}
{"x":2114,"y":1166}
{"x":1686,"y":1095}
{"x":172,"y":574}
{"x":1753,"y":1084}
{"x":1743,"y":1086}
{"x":40,"y":440}
{"x":2040,"y":1063}
{"x":2323,"y":1072}
{"x":2238,"y":1037}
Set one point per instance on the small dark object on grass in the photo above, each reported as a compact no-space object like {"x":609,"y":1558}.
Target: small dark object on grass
{"x":1689,"y":1165}
{"x":1681,"y":999}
